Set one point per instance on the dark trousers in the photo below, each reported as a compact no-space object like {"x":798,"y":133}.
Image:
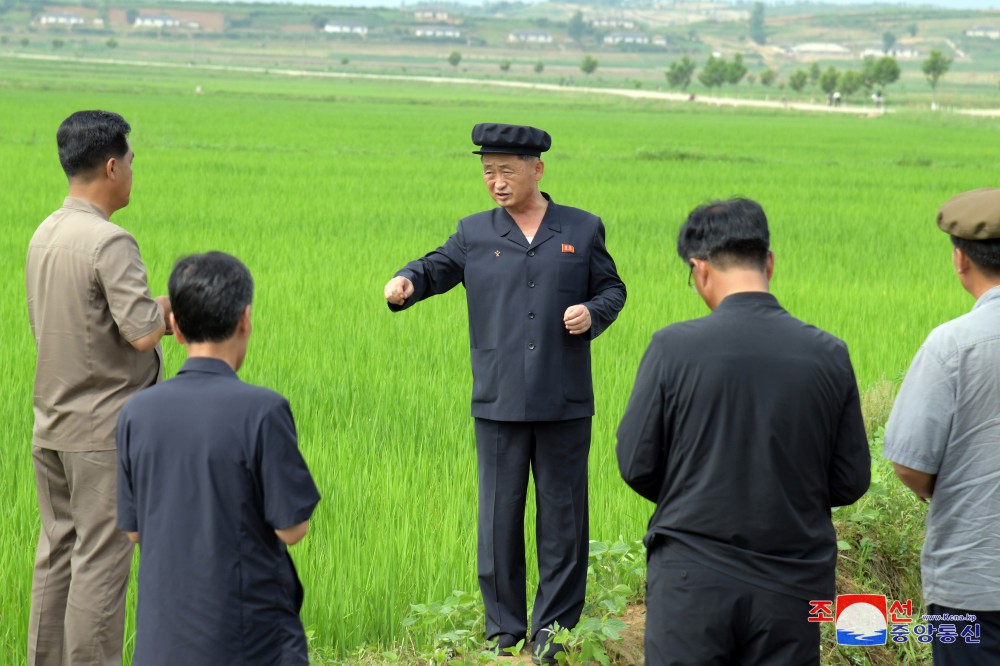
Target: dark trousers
{"x":960,"y":653}
{"x":555,"y":453}
{"x":696,"y":616}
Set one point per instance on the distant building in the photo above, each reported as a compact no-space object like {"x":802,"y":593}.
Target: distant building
{"x":61,"y":19}
{"x":346,"y":28}
{"x":904,"y":53}
{"x":434,"y":14}
{"x":819,"y":50}
{"x":438,"y":32}
{"x":156,"y":21}
{"x":659,"y":40}
{"x":898,"y":52}
{"x":174,"y":18}
{"x":530,"y":37}
{"x":626,"y":38}
{"x":607,"y":22}
{"x":987,"y":31}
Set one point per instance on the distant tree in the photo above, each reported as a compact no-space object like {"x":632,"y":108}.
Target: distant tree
{"x":112,"y":43}
{"x":936,"y":66}
{"x":345,"y":61}
{"x":768,"y":77}
{"x":828,"y":80}
{"x":576,"y":28}
{"x":679,"y":74}
{"x":757,"y":31}
{"x":539,"y":67}
{"x":850,"y":82}
{"x":751,"y":78}
{"x":798,"y":80}
{"x":814,"y":72}
{"x":454,"y":58}
{"x":912,"y":29}
{"x":888,"y":41}
{"x":885,"y":71}
{"x":505,"y":66}
{"x":736,"y":70}
{"x":588,"y":64}
{"x":58,"y":43}
{"x":132,"y":14}
{"x":24,"y":41}
{"x":714,"y":73}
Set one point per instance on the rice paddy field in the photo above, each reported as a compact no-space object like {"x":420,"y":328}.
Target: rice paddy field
{"x":326,"y":187}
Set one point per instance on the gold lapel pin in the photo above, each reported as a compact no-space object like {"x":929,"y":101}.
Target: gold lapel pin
{"x":497,"y":252}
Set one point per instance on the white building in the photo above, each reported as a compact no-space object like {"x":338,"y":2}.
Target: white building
{"x":607,"y":22}
{"x":346,"y":28}
{"x":819,"y":50}
{"x":432,"y":14}
{"x":530,"y":37}
{"x":626,"y":38}
{"x":987,"y":31}
{"x":156,"y":21}
{"x":61,"y":19}
{"x":438,"y":32}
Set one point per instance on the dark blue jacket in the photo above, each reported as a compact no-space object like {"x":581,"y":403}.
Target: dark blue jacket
{"x":525,"y":365}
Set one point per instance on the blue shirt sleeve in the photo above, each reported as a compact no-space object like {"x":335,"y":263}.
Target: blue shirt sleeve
{"x":127,"y":521}
{"x":290,"y":495}
{"x":920,"y":423}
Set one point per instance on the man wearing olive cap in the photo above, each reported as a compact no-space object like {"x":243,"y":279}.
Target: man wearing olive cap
{"x":943,"y":438}
{"x":540,"y":285}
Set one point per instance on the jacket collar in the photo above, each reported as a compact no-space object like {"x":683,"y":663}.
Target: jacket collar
{"x":749,"y":299}
{"x":83,"y":205}
{"x":988,"y":297}
{"x":506,"y":227}
{"x":206,"y":365}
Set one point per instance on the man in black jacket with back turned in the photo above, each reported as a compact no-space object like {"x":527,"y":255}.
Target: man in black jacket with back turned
{"x":540,"y":285}
{"x":744,"y":427}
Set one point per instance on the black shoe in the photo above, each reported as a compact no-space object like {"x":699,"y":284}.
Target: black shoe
{"x":544,"y":650}
{"x":505,"y":642}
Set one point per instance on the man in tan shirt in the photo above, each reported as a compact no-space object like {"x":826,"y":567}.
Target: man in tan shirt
{"x":97,"y":331}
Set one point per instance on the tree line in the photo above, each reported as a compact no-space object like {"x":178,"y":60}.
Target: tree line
{"x":874,"y":73}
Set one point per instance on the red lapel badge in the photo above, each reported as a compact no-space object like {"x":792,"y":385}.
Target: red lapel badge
{"x":568,"y":248}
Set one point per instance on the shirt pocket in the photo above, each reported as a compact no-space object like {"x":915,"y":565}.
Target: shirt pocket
{"x":574,"y":275}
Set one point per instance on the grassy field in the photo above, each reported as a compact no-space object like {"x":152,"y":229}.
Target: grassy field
{"x":326,"y":187}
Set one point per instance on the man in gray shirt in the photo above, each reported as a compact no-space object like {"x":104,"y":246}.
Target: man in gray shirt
{"x":944,"y":439}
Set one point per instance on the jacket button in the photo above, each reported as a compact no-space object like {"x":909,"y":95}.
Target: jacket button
{"x":531,"y":315}
{"x":531,"y":253}
{"x":531,"y":283}
{"x":531,"y":345}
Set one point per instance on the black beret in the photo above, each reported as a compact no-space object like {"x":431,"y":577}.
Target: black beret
{"x":510,"y":139}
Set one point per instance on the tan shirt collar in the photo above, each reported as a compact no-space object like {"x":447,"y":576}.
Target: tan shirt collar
{"x":83,"y":205}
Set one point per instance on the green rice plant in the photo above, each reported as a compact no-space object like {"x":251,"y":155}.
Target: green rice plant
{"x":324,"y":188}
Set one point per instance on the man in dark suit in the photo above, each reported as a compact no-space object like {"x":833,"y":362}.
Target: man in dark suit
{"x":540,"y":285}
{"x":211,"y":483}
{"x":744,"y":427}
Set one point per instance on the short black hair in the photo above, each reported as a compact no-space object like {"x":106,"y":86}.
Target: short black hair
{"x":88,"y":139}
{"x":726,"y":233}
{"x":208,"y":294}
{"x":983,"y":253}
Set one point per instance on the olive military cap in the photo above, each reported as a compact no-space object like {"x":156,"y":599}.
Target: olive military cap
{"x":972,"y":215}
{"x":510,"y":139}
